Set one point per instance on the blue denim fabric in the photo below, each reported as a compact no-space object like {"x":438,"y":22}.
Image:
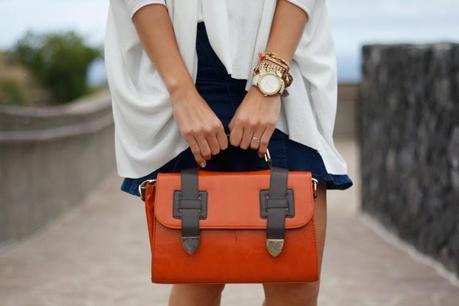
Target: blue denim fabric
{"x":224,"y":94}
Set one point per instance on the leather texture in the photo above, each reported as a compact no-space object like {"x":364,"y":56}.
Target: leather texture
{"x":233,"y":234}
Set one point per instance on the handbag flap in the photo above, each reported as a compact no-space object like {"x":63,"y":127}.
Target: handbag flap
{"x":233,"y":198}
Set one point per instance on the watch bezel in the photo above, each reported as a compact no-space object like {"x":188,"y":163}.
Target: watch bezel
{"x":265,"y":92}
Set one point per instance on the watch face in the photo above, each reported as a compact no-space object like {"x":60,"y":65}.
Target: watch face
{"x":269,"y":83}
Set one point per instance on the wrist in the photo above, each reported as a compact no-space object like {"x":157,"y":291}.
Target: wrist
{"x":255,"y":90}
{"x":182,"y":92}
{"x":271,"y":75}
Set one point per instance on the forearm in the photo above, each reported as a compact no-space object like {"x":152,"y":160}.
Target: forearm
{"x":157,"y":35}
{"x":287,"y":27}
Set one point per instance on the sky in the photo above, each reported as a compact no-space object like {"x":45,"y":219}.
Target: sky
{"x":354,"y":22}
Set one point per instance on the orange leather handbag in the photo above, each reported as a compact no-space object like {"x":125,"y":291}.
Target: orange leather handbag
{"x":231,"y":227}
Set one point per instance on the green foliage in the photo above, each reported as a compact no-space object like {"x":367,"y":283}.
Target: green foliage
{"x":11,"y":92}
{"x":58,"y":61}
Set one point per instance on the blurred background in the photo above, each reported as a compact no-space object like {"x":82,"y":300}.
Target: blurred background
{"x":69,"y":236}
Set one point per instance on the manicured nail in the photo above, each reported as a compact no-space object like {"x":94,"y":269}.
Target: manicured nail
{"x":203,"y":164}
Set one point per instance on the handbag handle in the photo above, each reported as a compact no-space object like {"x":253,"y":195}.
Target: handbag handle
{"x":268,"y":160}
{"x":266,"y":156}
{"x":143,"y":185}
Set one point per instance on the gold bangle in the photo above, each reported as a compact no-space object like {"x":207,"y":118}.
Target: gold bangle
{"x":273,"y":57}
{"x":274,"y":66}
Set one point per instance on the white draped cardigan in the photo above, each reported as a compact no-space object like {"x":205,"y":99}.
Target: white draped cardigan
{"x":146,"y":134}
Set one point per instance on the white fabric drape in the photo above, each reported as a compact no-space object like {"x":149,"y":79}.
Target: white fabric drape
{"x":146,"y":134}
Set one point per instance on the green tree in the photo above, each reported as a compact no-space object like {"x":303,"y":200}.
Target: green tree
{"x":59,"y":62}
{"x":11,"y":92}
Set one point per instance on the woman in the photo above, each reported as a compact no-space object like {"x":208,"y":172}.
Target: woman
{"x":181,"y":75}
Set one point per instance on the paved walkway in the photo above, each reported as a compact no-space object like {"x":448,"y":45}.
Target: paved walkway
{"x":98,"y":254}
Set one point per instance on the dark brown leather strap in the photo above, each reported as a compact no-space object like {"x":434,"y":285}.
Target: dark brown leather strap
{"x":190,"y":205}
{"x":276,"y":204}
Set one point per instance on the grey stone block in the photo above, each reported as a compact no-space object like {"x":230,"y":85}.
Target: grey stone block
{"x":409,"y":131}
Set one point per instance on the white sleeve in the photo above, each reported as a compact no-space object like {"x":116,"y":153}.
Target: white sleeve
{"x":134,"y":5}
{"x":146,"y":134}
{"x":305,"y":5}
{"x":316,"y":57}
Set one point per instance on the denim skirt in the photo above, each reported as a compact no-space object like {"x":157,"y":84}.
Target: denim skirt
{"x":224,"y":94}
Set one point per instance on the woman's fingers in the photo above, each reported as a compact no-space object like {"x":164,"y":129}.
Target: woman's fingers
{"x":255,"y":120}
{"x":203,"y":146}
{"x":246,"y":137}
{"x":213,"y":143}
{"x":256,"y":138}
{"x":222,"y":138}
{"x":207,"y":141}
{"x":264,"y":141}
{"x":194,"y":146}
{"x":236,"y":135}
{"x":199,"y":125}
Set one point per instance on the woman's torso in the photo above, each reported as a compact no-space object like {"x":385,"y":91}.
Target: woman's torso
{"x":237,"y":31}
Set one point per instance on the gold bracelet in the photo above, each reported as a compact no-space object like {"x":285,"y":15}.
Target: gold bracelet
{"x":284,"y":72}
{"x":274,"y":68}
{"x":274,"y":58}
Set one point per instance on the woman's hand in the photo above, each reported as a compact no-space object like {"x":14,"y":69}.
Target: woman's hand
{"x":256,"y":116}
{"x":198,"y":124}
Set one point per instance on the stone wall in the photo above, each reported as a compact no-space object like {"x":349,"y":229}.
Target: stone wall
{"x":50,"y":159}
{"x":409,"y":131}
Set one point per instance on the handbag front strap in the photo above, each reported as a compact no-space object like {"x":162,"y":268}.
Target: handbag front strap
{"x":190,"y":205}
{"x":275,"y":204}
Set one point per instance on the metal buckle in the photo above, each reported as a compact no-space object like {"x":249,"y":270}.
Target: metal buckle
{"x":274,"y":246}
{"x":185,"y":203}
{"x":267,"y":157}
{"x":265,"y":198}
{"x":142,"y":187}
{"x":315,"y":182}
{"x":190,"y":243}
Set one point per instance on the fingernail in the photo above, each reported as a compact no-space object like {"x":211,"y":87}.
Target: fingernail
{"x":203,"y":164}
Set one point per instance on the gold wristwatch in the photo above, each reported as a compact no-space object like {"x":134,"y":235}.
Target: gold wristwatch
{"x":271,"y":75}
